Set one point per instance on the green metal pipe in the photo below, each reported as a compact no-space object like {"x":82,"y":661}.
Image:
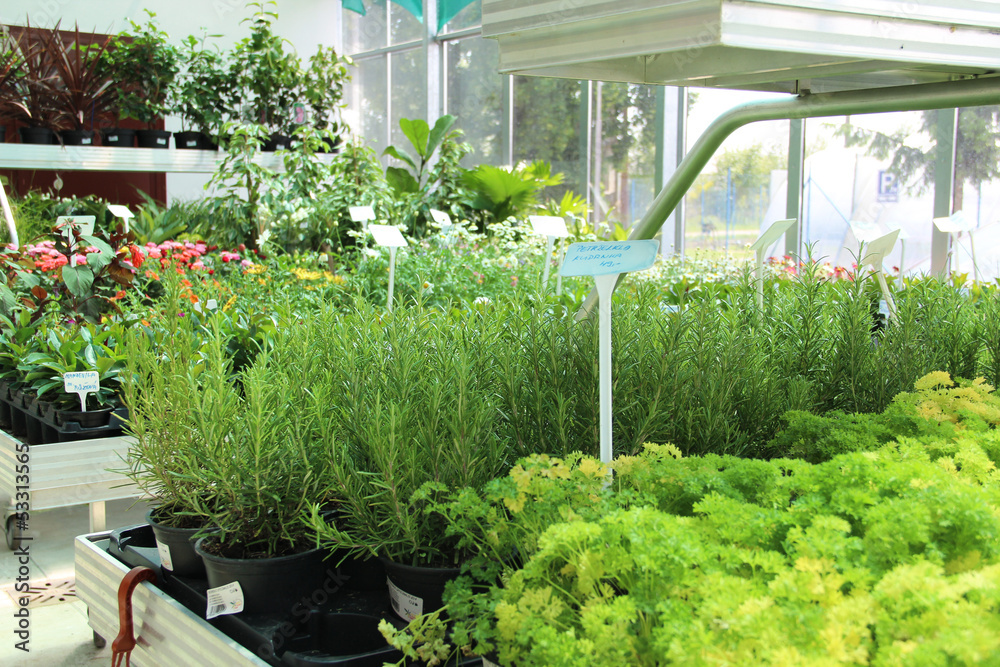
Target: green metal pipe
{"x":921,"y":97}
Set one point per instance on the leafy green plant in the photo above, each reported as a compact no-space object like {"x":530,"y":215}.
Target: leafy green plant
{"x":73,"y":350}
{"x":203,"y":87}
{"x":145,"y":64}
{"x":503,"y":192}
{"x":323,"y":87}
{"x":155,"y":224}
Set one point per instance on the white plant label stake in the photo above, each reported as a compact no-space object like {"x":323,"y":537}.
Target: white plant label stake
{"x":876,"y":253}
{"x":605,"y":262}
{"x":223,"y":600}
{"x":9,"y":217}
{"x":81,"y":384}
{"x":85,"y":223}
{"x":954,"y":225}
{"x":389,"y":237}
{"x":122,"y":212}
{"x":444,"y":222}
{"x":362,"y":214}
{"x":760,"y":246}
{"x":552,"y":227}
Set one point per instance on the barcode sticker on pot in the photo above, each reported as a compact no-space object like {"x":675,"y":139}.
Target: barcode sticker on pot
{"x":164,"y":551}
{"x":224,"y":600}
{"x":406,"y":606}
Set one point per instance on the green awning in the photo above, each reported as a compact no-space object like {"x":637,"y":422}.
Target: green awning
{"x":448,"y":9}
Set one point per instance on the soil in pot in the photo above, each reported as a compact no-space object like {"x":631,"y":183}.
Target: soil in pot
{"x":119,"y":136}
{"x":76,"y":137}
{"x":270,"y":585}
{"x":176,"y":546}
{"x":37,"y":135}
{"x":153,"y":138}
{"x":414,"y":590}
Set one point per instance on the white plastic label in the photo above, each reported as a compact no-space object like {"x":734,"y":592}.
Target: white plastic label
{"x":164,"y":551}
{"x":883,"y":308}
{"x":406,"y":606}
{"x":489,"y":663}
{"x":161,"y":141}
{"x":362,"y":213}
{"x":441,"y":217}
{"x":605,"y":258}
{"x":548,"y":225}
{"x":387,"y":236}
{"x":191,"y":143}
{"x":83,"y":382}
{"x":224,"y":600}
{"x":120,"y":211}
{"x":85,"y":223}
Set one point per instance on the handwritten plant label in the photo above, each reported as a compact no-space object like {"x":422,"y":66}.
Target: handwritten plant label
{"x":81,"y":384}
{"x":387,"y":236}
{"x":609,"y":257}
{"x":224,"y":600}
{"x":362,"y":213}
{"x":549,"y":225}
{"x":406,"y":606}
{"x":955,"y":223}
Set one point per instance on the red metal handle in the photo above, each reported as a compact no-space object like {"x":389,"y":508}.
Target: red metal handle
{"x":121,"y":647}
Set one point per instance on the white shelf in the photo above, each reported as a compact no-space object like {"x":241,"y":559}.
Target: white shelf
{"x":107,"y":158}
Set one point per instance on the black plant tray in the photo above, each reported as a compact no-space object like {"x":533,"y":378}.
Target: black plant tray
{"x":343,"y":630}
{"x":40,"y":427}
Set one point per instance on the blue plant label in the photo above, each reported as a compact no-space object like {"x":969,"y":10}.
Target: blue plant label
{"x":387,"y":236}
{"x":85,"y":223}
{"x":85,"y":382}
{"x":362,"y":213}
{"x":608,"y":257}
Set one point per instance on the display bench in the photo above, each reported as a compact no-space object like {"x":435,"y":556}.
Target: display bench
{"x":167,"y":633}
{"x":62,"y":474}
{"x":101,"y":158}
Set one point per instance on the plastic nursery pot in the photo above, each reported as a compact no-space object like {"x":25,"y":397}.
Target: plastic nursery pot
{"x":76,"y":137}
{"x":88,"y":419}
{"x":37,"y":135}
{"x":270,"y":585}
{"x":176,"y":548}
{"x":3,"y":133}
{"x":338,"y":639}
{"x":119,"y":136}
{"x":414,"y":590}
{"x":277,"y":142}
{"x":153,"y":138}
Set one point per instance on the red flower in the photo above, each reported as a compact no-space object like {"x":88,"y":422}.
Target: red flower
{"x":137,"y":257}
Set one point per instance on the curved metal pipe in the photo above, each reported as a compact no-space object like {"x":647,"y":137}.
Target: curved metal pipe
{"x":922,"y":97}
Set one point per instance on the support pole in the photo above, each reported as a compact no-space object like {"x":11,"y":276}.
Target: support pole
{"x":9,"y":217}
{"x":793,"y":190}
{"x":944,"y":187}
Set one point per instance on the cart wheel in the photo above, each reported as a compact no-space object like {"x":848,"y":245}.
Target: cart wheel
{"x":12,"y":533}
{"x":99,"y":641}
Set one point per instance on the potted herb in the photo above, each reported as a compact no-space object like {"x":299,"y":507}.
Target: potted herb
{"x":323,"y":90}
{"x":145,"y":65}
{"x":200,"y":95}
{"x":268,"y":78}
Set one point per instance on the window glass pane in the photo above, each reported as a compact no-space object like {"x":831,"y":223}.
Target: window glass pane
{"x":475,"y":96}
{"x":409,"y":90}
{"x":547,"y":119}
{"x":366,"y":113}
{"x":364,"y":33}
{"x":470,"y":17}
{"x":404,"y":26}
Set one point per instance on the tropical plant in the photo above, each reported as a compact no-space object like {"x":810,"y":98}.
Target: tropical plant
{"x":30,"y":97}
{"x":85,"y":93}
{"x":504,"y":192}
{"x":11,"y":70}
{"x":155,"y":224}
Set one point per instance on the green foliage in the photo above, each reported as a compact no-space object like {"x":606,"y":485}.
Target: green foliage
{"x":504,"y":192}
{"x":155,"y":224}
{"x":144,"y":64}
{"x":204,"y":86}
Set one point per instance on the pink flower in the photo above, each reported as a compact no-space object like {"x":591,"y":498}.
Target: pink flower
{"x":246,"y":263}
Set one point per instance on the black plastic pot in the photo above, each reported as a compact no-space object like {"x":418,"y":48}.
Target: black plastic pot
{"x":153,"y":138}
{"x":414,"y":590}
{"x":177,"y":545}
{"x":337,"y":639}
{"x":119,"y":136}
{"x":271,"y":585}
{"x":76,"y":137}
{"x":194,"y":141}
{"x":36,"y":135}
{"x":88,"y":419}
{"x":277,"y":142}
{"x":3,"y":133}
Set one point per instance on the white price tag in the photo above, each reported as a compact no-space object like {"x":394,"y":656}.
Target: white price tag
{"x":164,"y":551}
{"x":606,"y":258}
{"x":224,"y":600}
{"x":387,"y":236}
{"x":406,"y":606}
{"x":489,"y":663}
{"x":120,"y":211}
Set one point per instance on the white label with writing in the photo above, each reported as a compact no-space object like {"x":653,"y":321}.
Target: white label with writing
{"x":164,"y":551}
{"x":362,"y":213}
{"x":387,"y":236}
{"x":85,"y":223}
{"x":406,"y":606}
{"x":83,"y":382}
{"x":224,"y":600}
{"x":548,"y":225}
{"x":608,"y":257}
{"x":191,"y":143}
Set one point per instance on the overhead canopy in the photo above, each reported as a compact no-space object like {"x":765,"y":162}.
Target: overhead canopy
{"x":770,"y":45}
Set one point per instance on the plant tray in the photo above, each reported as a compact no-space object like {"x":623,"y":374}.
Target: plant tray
{"x":342,"y":630}
{"x":39,"y":427}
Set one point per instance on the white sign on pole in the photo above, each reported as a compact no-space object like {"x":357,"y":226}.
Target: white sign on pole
{"x":362,"y":214}
{"x":954,"y":225}
{"x":760,"y":246}
{"x":85,"y":223}
{"x":389,"y":237}
{"x":605,"y":262}
{"x":441,"y":217}
{"x":122,"y":212}
{"x":81,"y":384}
{"x":875,"y":255}
{"x":865,"y":231}
{"x":903,"y":238}
{"x":551,"y":227}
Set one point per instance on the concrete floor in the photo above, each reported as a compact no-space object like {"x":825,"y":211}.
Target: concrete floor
{"x":59,"y":634}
